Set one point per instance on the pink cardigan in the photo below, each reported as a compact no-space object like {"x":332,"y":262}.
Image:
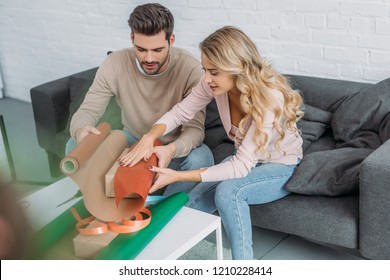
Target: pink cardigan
{"x":246,"y":156}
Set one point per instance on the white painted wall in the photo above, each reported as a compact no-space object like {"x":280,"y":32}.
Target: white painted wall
{"x":41,"y":40}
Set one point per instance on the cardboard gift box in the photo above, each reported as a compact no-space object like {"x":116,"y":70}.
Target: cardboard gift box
{"x":89,"y":246}
{"x":109,"y":178}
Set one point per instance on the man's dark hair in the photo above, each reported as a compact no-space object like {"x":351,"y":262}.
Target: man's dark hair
{"x":150,"y":19}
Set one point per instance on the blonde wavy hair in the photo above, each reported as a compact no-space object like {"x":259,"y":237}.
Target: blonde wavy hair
{"x":231,"y":51}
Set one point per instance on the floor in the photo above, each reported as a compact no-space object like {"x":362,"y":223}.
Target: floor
{"x":32,"y":173}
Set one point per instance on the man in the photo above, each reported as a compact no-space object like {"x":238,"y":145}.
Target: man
{"x":147,"y":81}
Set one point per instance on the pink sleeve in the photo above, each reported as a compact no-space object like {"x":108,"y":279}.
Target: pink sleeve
{"x":200,"y":96}
{"x":245,"y":158}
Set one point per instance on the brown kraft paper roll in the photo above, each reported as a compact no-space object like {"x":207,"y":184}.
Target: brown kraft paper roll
{"x":90,"y":177}
{"x":83,"y":151}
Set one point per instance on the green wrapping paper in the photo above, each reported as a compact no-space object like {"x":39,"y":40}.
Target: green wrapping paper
{"x":128,"y":246}
{"x":55,"y":230}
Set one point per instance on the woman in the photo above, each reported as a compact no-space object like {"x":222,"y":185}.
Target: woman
{"x":259,"y":111}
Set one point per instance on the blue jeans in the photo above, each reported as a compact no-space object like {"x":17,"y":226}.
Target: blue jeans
{"x":198,"y":157}
{"x":265,"y":183}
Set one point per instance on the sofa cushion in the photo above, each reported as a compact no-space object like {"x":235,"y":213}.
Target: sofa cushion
{"x":334,"y":172}
{"x":215,"y":134}
{"x":313,"y":124}
{"x":364,"y":117}
{"x":212,"y":116}
{"x":222,"y":151}
{"x":78,"y":87}
{"x":326,"y":142}
{"x":360,"y":124}
{"x":321,"y":218}
{"x":323,"y":93}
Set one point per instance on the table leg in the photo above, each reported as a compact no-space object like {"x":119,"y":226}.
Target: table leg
{"x":218,"y":233}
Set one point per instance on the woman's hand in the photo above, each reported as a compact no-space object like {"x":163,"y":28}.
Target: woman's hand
{"x":143,"y":149}
{"x":164,"y":154}
{"x":164,"y":176}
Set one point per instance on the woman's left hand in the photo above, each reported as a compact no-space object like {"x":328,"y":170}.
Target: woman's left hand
{"x":164,"y":176}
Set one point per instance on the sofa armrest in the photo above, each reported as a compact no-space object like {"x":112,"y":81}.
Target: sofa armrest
{"x":374,"y":227}
{"x":50,"y":104}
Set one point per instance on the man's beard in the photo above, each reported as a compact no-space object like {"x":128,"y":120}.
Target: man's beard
{"x":158,"y":65}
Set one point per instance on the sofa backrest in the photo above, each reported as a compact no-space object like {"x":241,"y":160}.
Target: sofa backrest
{"x":323,"y":93}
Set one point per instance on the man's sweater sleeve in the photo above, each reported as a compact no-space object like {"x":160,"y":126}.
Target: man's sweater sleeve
{"x":96,"y":99}
{"x":191,"y":136}
{"x":192,"y":132}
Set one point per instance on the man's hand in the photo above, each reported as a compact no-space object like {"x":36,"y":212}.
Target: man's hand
{"x":82,"y":132}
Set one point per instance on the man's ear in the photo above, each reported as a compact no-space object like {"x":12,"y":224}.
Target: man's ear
{"x":132,"y":37}
{"x":171,"y":40}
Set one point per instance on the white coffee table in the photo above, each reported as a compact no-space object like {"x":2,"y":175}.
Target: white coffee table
{"x":184,"y":231}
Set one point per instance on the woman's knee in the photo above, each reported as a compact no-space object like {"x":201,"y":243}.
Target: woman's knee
{"x":224,"y":194}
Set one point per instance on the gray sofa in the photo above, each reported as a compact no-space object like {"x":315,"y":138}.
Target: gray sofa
{"x":340,"y":191}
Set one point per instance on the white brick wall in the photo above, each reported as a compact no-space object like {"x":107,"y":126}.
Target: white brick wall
{"x":42,"y":40}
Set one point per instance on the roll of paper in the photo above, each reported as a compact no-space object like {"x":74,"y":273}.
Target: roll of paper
{"x":90,"y":179}
{"x":128,"y":246}
{"x":83,"y":151}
